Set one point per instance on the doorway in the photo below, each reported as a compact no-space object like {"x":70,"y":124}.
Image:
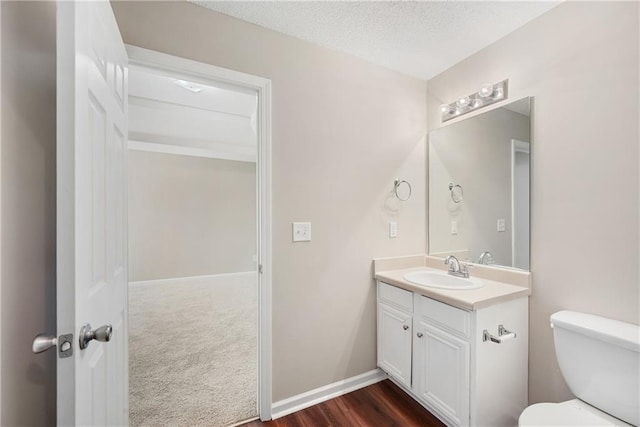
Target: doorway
{"x":198,"y":243}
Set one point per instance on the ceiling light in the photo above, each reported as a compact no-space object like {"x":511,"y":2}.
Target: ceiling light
{"x":189,"y":86}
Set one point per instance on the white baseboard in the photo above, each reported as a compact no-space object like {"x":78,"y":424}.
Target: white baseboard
{"x":322,"y":394}
{"x":179,"y":280}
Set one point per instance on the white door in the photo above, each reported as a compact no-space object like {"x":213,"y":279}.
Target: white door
{"x":394,"y":343}
{"x":441,"y":372}
{"x":91,"y":223}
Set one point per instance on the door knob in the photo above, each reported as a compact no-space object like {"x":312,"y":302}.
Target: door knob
{"x":102,"y":334}
{"x":43,"y":342}
{"x":405,"y":327}
{"x":419,"y":334}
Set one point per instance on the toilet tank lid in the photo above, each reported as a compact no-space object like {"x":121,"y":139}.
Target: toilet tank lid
{"x":619,"y":333}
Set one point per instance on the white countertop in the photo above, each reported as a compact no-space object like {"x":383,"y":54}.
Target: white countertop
{"x":469,"y":299}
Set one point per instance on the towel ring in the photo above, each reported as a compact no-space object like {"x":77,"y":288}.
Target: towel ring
{"x":396,"y":184}
{"x":456,"y":192}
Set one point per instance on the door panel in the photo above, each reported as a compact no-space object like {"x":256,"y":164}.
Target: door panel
{"x":442,"y":372}
{"x":394,"y":343}
{"x":91,"y":198}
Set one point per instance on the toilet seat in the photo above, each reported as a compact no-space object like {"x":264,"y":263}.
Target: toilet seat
{"x":570,"y":413}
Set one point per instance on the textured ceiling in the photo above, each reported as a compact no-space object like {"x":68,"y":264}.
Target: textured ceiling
{"x":421,"y":39}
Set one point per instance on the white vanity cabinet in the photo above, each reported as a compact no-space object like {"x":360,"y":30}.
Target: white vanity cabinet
{"x":437,"y":354}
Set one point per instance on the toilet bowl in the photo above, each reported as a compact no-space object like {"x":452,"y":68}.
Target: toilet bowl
{"x":570,"y":413}
{"x":600,"y":360}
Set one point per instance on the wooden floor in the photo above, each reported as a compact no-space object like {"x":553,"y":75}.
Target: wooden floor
{"x":381,"y":404}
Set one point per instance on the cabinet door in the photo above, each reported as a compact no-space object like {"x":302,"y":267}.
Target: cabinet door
{"x":394,"y":343}
{"x":441,"y":372}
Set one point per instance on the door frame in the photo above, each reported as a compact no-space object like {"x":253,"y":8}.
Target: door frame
{"x":518,"y":146}
{"x":0,"y":212}
{"x":206,"y":73}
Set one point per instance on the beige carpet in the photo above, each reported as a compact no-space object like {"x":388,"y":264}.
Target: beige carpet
{"x":192,"y":352}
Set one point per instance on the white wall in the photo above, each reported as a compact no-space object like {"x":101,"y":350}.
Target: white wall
{"x":580,"y":63}
{"x":343,"y":130}
{"x":190,"y":216}
{"x":28,"y":191}
{"x":475,"y":154}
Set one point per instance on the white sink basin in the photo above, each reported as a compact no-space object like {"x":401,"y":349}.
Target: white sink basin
{"x":442,"y":280}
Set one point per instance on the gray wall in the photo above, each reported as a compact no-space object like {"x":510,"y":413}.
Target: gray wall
{"x":580,"y":63}
{"x":343,"y":129}
{"x":28,"y":210}
{"x":190,"y":216}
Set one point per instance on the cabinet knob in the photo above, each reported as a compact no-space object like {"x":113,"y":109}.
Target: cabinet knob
{"x":405,"y":327}
{"x":419,"y":334}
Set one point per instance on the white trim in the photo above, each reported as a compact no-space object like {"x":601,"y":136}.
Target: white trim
{"x":243,"y":422}
{"x":181,"y":280}
{"x":182,"y":150}
{"x":322,"y":394}
{"x":0,"y":213}
{"x":197,"y":71}
{"x":265,"y":399}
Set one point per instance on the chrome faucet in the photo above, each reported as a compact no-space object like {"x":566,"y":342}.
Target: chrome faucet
{"x":485,"y":258}
{"x":456,"y":268}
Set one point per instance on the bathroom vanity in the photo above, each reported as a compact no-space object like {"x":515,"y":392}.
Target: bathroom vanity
{"x":459,"y":344}
{"x":462,"y":354}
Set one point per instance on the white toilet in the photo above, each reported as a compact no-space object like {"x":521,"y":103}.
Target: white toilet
{"x":600,"y":361}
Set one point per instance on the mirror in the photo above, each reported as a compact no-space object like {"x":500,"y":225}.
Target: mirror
{"x":479,"y":187}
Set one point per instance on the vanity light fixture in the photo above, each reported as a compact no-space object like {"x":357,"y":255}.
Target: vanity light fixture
{"x":487,"y":95}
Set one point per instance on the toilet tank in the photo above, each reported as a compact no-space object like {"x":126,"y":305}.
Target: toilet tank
{"x":600,"y":360}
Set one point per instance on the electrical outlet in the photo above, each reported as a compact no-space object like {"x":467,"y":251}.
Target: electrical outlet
{"x":501,"y":225}
{"x":393,"y":229}
{"x":301,"y":231}
{"x":454,"y":227}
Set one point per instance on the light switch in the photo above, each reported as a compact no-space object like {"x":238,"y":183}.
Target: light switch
{"x":301,"y":231}
{"x":393,"y":229}
{"x":501,"y":225}
{"x":454,"y":227}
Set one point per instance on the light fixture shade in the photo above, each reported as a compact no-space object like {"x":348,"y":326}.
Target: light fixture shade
{"x":445,"y":108}
{"x":486,"y":90}
{"x":463,"y":102}
{"x":477,"y":103}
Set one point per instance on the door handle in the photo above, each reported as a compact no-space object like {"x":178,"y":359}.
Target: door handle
{"x":102,"y":334}
{"x":43,"y":342}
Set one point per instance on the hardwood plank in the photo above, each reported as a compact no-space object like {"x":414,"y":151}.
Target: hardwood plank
{"x":380,"y":404}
